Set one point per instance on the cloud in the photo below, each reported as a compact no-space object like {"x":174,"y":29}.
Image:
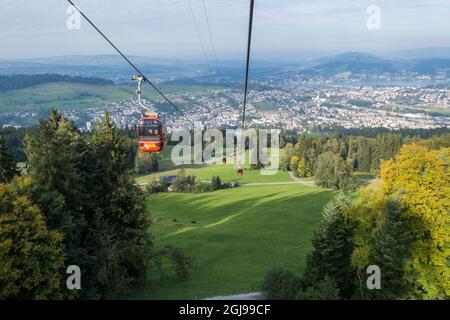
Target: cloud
{"x":165,"y":27}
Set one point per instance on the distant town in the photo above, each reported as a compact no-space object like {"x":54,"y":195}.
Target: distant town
{"x":350,"y":90}
{"x":301,"y":109}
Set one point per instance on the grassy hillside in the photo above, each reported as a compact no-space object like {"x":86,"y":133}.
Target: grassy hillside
{"x":238,"y":235}
{"x":67,"y":96}
{"x":235,"y":235}
{"x":63,"y":96}
{"x":227,"y":173}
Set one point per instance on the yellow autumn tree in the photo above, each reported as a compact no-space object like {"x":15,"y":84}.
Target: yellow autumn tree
{"x":293,"y":164}
{"x":420,"y":179}
{"x":303,"y":169}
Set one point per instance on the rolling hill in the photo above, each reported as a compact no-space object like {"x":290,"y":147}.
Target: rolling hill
{"x":358,"y":62}
{"x":20,"y":93}
{"x":234,"y":235}
{"x":62,"y":95}
{"x":17,"y":82}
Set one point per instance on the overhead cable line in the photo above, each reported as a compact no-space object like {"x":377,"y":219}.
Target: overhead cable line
{"x":199,"y":35}
{"x":145,"y":79}
{"x":249,"y":43}
{"x":238,"y":148}
{"x":210,"y":35}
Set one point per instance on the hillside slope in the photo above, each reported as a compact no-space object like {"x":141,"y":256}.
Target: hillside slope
{"x":238,"y":235}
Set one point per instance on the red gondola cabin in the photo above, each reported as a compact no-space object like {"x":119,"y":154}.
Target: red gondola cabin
{"x":152,"y":134}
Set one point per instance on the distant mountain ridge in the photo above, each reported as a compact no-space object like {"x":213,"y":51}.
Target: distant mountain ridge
{"x":172,"y":70}
{"x":110,"y":67}
{"x":424,"y":53}
{"x":99,"y":60}
{"x":357,"y":62}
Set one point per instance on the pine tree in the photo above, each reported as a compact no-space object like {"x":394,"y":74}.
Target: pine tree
{"x":8,"y":166}
{"x":387,"y":145}
{"x":118,"y":235}
{"x":287,"y":155}
{"x":55,"y":152}
{"x":333,"y":247}
{"x":392,"y":245}
{"x":363,"y":156}
{"x":325,"y":289}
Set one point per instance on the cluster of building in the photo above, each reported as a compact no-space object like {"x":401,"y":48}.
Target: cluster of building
{"x":301,"y":109}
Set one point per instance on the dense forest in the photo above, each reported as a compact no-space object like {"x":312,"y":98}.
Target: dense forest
{"x":15,"y":82}
{"x":361,"y":148}
{"x":77,"y":204}
{"x":331,"y":159}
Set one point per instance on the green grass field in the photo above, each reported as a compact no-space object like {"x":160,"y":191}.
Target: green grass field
{"x":227,"y":172}
{"x":63,"y":96}
{"x":238,"y":236}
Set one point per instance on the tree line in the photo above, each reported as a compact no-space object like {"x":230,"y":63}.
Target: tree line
{"x":185,"y":183}
{"x":333,"y":158}
{"x":362,"y":152}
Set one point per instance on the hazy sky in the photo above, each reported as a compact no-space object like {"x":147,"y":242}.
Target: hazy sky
{"x":165,"y":28}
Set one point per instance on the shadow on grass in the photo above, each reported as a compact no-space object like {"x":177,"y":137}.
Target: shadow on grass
{"x":267,"y":229}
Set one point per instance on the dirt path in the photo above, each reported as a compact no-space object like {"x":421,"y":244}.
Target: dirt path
{"x":268,"y":183}
{"x":291,"y":174}
{"x":245,"y":296}
{"x":309,"y":183}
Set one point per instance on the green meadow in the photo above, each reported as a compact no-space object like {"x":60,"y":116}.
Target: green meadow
{"x":62,"y":95}
{"x":234,"y":235}
{"x":226,"y":172}
{"x":68,"y":96}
